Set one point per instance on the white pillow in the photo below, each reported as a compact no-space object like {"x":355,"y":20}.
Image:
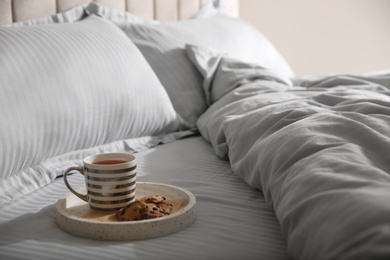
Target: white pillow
{"x":72,"y":86}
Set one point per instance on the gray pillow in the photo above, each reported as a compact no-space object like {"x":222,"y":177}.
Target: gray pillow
{"x":119,"y":16}
{"x":114,"y":15}
{"x":223,"y":74}
{"x":163,"y":45}
{"x":211,"y":8}
{"x":72,"y":86}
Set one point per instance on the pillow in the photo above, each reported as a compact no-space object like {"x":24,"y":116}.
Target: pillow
{"x":114,"y":15}
{"x":68,"y":16}
{"x":72,"y":86}
{"x":211,"y":8}
{"x":163,"y":46}
{"x":223,"y":74}
{"x":117,"y":16}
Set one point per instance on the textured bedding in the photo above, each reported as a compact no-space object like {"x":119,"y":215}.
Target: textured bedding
{"x":233,"y":220}
{"x":74,"y":85}
{"x":62,"y":91}
{"x":286,"y":167}
{"x":318,"y":150}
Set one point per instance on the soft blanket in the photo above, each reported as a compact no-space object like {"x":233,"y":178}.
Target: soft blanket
{"x":317,"y":146}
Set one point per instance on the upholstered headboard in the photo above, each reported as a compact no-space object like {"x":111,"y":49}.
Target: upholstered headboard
{"x":163,"y":10}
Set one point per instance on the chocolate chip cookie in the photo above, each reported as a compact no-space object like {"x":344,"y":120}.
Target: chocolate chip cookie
{"x":145,"y":208}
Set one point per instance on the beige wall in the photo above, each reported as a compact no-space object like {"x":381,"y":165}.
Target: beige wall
{"x":325,"y":36}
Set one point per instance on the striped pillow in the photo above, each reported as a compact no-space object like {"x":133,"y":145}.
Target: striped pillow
{"x":163,"y":47}
{"x":72,"y":86}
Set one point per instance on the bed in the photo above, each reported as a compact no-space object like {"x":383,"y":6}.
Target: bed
{"x":282,"y":166}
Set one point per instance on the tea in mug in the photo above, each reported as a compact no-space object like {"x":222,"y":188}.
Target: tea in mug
{"x":109,"y":162}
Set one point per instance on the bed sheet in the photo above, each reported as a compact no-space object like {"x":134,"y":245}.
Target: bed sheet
{"x":233,"y":220}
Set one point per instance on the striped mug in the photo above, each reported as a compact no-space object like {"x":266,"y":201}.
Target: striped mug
{"x":110,"y":179}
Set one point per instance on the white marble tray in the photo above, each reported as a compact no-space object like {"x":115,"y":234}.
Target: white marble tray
{"x":75,"y":217}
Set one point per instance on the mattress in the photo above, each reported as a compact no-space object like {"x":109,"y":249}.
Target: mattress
{"x":233,"y":221}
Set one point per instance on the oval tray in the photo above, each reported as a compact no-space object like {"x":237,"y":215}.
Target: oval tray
{"x":75,"y":217}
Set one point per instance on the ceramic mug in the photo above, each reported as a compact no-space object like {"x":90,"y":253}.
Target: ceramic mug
{"x":110,"y":179}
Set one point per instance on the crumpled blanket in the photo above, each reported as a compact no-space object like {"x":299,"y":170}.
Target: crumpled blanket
{"x":317,"y":146}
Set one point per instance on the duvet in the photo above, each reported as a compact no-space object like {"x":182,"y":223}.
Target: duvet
{"x":317,"y":146}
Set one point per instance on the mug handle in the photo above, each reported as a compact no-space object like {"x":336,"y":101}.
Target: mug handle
{"x":81,"y":170}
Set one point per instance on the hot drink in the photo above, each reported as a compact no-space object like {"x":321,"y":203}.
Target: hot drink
{"x":109,"y":162}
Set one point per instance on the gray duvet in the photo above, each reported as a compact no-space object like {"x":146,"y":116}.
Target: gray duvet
{"x":318,"y":148}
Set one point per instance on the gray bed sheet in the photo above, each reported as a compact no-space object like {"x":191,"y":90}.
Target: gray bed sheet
{"x":233,"y":220}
